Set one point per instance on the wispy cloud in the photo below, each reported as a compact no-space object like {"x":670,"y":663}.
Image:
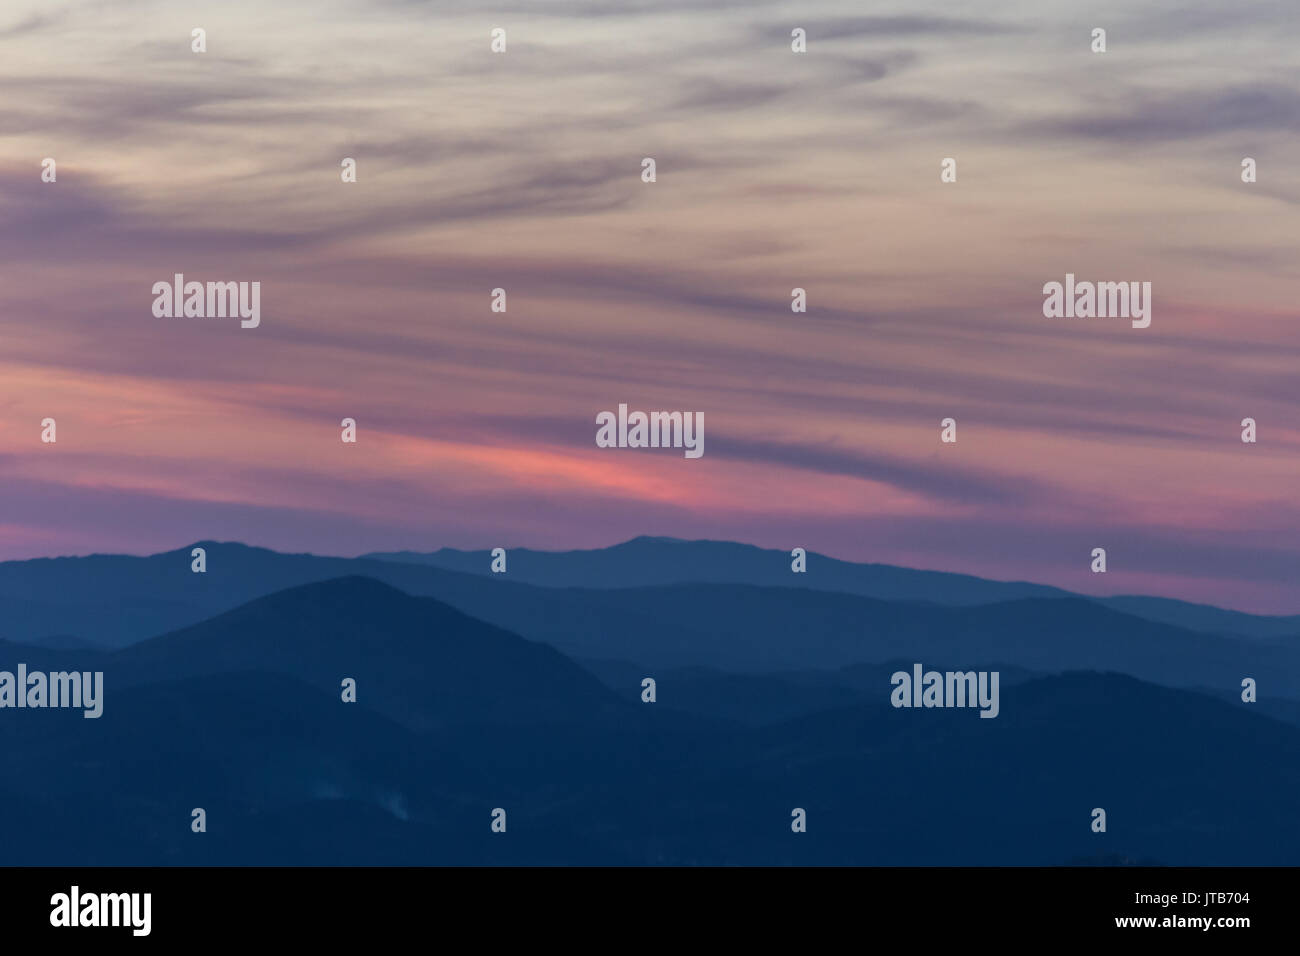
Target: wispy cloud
{"x":776,"y":170}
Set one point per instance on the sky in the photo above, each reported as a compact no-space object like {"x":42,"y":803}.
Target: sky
{"x":774,"y":170}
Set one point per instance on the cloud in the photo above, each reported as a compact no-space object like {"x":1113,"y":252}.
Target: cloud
{"x":1160,"y":24}
{"x":886,"y":27}
{"x":592,"y":9}
{"x":1173,"y":116}
{"x":775,"y":170}
{"x":31,"y":24}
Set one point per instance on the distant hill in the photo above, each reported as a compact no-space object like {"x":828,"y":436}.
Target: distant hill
{"x":651,"y":562}
{"x":740,"y":628}
{"x":648,"y":561}
{"x":113,"y":600}
{"x":734,"y":628}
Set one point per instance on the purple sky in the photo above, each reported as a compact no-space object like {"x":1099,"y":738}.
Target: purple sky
{"x":775,"y":170}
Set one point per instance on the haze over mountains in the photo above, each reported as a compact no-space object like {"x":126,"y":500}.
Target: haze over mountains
{"x":648,"y":561}
{"x":754,"y":626}
{"x":477,"y":691}
{"x":113,"y":600}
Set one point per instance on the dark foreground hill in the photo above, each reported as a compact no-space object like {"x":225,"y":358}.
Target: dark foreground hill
{"x":414,"y":659}
{"x":241,"y":716}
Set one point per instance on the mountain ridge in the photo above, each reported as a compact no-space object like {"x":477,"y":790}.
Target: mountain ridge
{"x":241,"y":715}
{"x":112,"y":600}
{"x":597,"y":567}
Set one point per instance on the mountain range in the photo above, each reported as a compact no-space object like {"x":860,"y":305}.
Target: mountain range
{"x":477,"y":691}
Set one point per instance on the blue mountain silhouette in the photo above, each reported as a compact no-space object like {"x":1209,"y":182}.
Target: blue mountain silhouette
{"x":647,"y":561}
{"x":241,"y":715}
{"x":114,"y":600}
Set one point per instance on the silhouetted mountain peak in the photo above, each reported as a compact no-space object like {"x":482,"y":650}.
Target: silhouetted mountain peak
{"x":219,"y":547}
{"x":415,"y":659}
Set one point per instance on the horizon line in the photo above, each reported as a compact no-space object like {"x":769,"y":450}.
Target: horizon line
{"x":371,"y":555}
